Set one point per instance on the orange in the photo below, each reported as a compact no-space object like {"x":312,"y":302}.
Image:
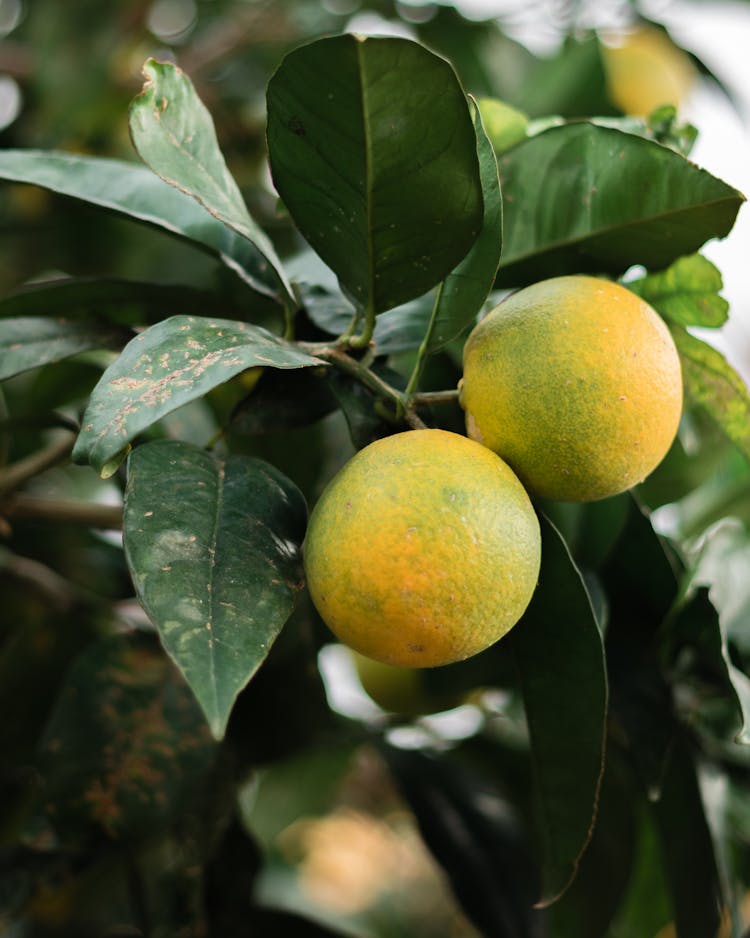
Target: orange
{"x":576,"y":383}
{"x":423,"y":550}
{"x":645,"y":70}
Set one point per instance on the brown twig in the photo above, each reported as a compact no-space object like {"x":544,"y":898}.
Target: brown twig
{"x":63,"y":511}
{"x":14,"y":476}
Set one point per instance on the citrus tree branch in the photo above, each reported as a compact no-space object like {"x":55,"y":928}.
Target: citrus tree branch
{"x":62,"y":511}
{"x":14,"y":476}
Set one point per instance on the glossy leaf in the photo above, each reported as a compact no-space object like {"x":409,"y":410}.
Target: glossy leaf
{"x":174,"y":134}
{"x":477,"y":839}
{"x":399,"y":330}
{"x":166,"y":366}
{"x":686,"y":293}
{"x":126,"y":746}
{"x":214,"y":551}
{"x":33,"y":341}
{"x":712,"y":384}
{"x":581,"y":198}
{"x":373,"y":152}
{"x":134,"y":191}
{"x":464,"y":290}
{"x":560,"y":658}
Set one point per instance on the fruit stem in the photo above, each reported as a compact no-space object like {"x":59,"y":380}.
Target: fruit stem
{"x":435,"y":397}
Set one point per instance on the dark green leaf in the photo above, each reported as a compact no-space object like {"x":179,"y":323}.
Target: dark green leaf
{"x":646,"y":908}
{"x":712,"y":384}
{"x":122,"y":301}
{"x":464,"y":290}
{"x":166,"y":366}
{"x":475,"y":836}
{"x":558,"y":650}
{"x":641,"y":583}
{"x":173,"y":132}
{"x":698,"y":624}
{"x":589,"y":906}
{"x":373,"y":152}
{"x":581,"y":198}
{"x":571,"y":83}
{"x":360,"y":406}
{"x":284,"y":400}
{"x":133,"y":190}
{"x":399,"y":330}
{"x":126,"y":745}
{"x":33,"y":341}
{"x":686,"y":293}
{"x":403,"y":328}
{"x":681,"y":822}
{"x":213,"y":549}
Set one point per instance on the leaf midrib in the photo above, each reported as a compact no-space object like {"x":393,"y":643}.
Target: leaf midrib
{"x":364,"y":102}
{"x":221,"y":469}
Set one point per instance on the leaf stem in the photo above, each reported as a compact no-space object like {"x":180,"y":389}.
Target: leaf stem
{"x":339,"y":359}
{"x":289,"y":315}
{"x":364,"y":339}
{"x":424,"y":348}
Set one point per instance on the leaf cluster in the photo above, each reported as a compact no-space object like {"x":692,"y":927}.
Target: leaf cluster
{"x":213,"y":413}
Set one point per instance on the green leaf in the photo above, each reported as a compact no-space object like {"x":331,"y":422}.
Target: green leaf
{"x":699,"y":624}
{"x":712,"y":384}
{"x":475,"y":836}
{"x":589,"y":906}
{"x":686,"y":293}
{"x":128,"y":302}
{"x":166,"y":366}
{"x":373,"y":151}
{"x":360,"y":406}
{"x":126,"y":747}
{"x":214,"y":551}
{"x":560,"y":657}
{"x":133,"y":190}
{"x":683,"y":831}
{"x":283,"y":400}
{"x":582,"y":198}
{"x":33,"y":341}
{"x":399,"y":330}
{"x":464,"y":290}
{"x":571,"y":83}
{"x":174,"y":134}
{"x":661,"y":125}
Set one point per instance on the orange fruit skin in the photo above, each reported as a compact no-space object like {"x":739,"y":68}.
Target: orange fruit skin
{"x":576,"y":383}
{"x":645,"y":69}
{"x":423,"y":550}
